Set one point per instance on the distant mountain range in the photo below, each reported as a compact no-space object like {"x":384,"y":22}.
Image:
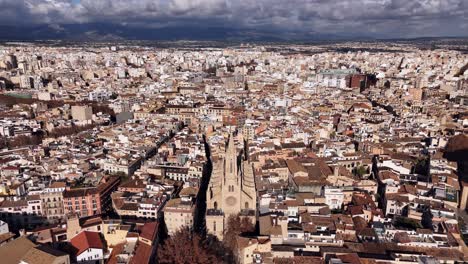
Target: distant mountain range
{"x":110,"y":32}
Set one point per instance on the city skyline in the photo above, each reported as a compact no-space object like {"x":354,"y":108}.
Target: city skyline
{"x":233,"y":132}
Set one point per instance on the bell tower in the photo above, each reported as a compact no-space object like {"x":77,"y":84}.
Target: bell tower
{"x":231,"y":169}
{"x":231,"y":184}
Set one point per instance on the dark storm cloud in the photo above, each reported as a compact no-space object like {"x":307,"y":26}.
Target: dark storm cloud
{"x":380,"y":17}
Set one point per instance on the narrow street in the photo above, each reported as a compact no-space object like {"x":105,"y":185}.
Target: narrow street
{"x":199,"y":221}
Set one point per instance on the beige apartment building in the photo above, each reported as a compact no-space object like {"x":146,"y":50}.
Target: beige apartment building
{"x":177,"y":214}
{"x":180,"y":212}
{"x":82,"y":112}
{"x":52,"y":200}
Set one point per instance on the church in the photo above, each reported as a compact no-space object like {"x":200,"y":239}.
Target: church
{"x":231,"y":190}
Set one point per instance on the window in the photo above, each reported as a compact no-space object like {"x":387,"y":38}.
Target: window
{"x":214,"y":226}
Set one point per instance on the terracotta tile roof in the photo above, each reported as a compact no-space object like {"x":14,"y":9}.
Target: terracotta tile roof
{"x":189,"y":191}
{"x":79,"y":192}
{"x":13,"y":251}
{"x":129,"y":207}
{"x":243,"y":242}
{"x":342,"y":218}
{"x":42,"y":255}
{"x":359,"y":223}
{"x":91,"y":221}
{"x":116,"y":250}
{"x":401,"y":237}
{"x":363,"y":199}
{"x":299,"y":260}
{"x":295,"y":166}
{"x":142,"y":254}
{"x":397,"y":197}
{"x":85,"y":240}
{"x":367,"y":232}
{"x":150,"y":231}
{"x":406,"y":188}
{"x":351,"y":258}
{"x":356,"y":210}
{"x":58,"y":185}
{"x":136,"y":183}
{"x":386,"y":174}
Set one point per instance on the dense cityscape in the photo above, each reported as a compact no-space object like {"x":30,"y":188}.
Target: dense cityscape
{"x":346,"y":152}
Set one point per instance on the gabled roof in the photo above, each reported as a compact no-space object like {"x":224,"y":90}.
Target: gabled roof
{"x":85,"y":240}
{"x":142,"y":255}
{"x":150,"y":231}
{"x":42,"y":255}
{"x":14,"y":251}
{"x":24,"y":250}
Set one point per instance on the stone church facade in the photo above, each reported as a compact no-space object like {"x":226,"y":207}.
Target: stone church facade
{"x":231,"y":190}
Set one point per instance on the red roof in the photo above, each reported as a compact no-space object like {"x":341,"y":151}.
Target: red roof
{"x":149,"y":231}
{"x":85,"y":240}
{"x":10,"y":168}
{"x":142,"y":254}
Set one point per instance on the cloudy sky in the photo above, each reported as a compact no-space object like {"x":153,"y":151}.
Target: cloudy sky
{"x":380,"y":18}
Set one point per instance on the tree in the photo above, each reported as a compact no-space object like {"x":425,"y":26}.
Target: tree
{"x":360,"y":171}
{"x":70,"y":130}
{"x":124,"y":177}
{"x":426,"y":219}
{"x":422,"y":166}
{"x":186,"y":246}
{"x":24,"y":140}
{"x":404,"y":222}
{"x":236,"y":226}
